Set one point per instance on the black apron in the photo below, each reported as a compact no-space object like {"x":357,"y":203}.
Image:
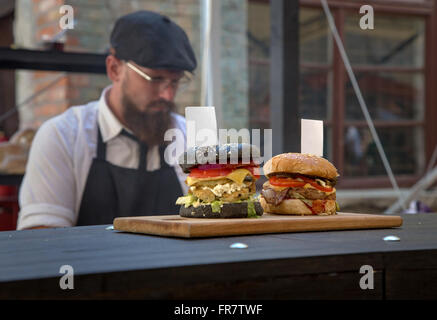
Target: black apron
{"x":112,"y":191}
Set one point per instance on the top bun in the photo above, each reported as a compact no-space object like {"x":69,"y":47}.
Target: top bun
{"x":230,"y":153}
{"x":307,"y":164}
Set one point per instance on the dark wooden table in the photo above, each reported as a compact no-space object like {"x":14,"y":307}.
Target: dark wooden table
{"x":313,"y":265}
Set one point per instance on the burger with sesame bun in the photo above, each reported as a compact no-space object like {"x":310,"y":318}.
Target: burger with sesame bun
{"x":299,"y":184}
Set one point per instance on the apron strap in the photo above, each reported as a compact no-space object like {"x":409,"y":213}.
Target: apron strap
{"x":161,"y":154}
{"x":143,"y":150}
{"x":101,"y":150}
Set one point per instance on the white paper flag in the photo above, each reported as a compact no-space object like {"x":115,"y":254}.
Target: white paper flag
{"x":311,"y":137}
{"x":201,"y":126}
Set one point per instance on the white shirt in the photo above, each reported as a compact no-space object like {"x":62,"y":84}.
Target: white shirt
{"x":61,"y":156}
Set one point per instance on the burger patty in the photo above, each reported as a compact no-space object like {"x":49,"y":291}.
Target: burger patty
{"x":276,"y":196}
{"x":204,"y":195}
{"x":328,"y":182}
{"x":208,"y":196}
{"x":311,"y":194}
{"x":203,"y":191}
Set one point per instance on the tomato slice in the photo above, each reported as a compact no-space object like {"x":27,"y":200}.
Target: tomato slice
{"x":316,"y":185}
{"x":222,"y":171}
{"x":255,"y":171}
{"x":286,"y":182}
{"x":293,"y":183}
{"x":201,"y":174}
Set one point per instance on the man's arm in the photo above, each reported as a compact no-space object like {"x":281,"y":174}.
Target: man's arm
{"x":47,"y":194}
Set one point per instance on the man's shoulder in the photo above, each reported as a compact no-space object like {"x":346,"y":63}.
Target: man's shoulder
{"x":73,"y":118}
{"x":77,"y":113}
{"x":65,"y":129}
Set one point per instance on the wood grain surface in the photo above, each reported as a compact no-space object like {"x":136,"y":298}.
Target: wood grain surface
{"x":176,"y":226}
{"x":111,"y":264}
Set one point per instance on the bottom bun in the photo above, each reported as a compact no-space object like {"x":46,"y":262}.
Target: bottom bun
{"x":228,"y":210}
{"x":297,"y":207}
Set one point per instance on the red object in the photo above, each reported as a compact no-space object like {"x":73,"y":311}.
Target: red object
{"x":8,"y":203}
{"x":7,"y":191}
{"x":319,"y":206}
{"x":8,"y":208}
{"x":218,"y":170}
{"x":286,"y":182}
{"x":293,"y":183}
{"x":316,"y":185}
{"x":197,"y":173}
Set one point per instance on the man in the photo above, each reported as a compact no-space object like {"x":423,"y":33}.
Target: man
{"x":106,"y":159}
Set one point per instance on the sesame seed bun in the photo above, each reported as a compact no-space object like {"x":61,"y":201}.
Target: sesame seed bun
{"x":306,"y":164}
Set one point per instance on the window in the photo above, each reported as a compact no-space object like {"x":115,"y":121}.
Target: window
{"x":258,"y":33}
{"x":316,"y":73}
{"x":392,"y":66}
{"x":389,"y":65}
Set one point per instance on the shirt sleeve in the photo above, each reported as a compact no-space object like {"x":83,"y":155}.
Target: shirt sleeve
{"x":47,"y":194}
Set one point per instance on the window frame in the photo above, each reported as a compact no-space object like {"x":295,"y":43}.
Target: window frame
{"x":425,"y":9}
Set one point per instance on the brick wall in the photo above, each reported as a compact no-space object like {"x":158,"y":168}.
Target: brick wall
{"x":93,"y":23}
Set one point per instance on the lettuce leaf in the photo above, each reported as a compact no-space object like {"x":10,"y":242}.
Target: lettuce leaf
{"x":251,"y":212}
{"x":216,"y":206}
{"x":186,"y":200}
{"x":301,"y":198}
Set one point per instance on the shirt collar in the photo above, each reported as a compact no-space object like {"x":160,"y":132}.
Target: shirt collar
{"x":109,"y":125}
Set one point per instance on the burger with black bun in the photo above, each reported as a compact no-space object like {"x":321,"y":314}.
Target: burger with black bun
{"x":299,"y":184}
{"x":221,"y":182}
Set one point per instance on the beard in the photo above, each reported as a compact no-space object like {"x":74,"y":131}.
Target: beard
{"x":148,"y":126}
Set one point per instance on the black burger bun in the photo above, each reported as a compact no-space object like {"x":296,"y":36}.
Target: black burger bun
{"x":228,"y":210}
{"x":227,"y":153}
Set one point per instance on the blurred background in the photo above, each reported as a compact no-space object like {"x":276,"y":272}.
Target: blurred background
{"x":394,"y":65}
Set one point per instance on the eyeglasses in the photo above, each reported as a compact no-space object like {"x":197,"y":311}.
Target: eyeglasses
{"x":163,"y":83}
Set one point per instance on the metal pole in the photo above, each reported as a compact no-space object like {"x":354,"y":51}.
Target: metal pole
{"x":361,"y":101}
{"x":206,"y":96}
{"x":10,"y":112}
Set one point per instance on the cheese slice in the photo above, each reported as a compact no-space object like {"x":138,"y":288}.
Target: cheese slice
{"x":237,"y":176}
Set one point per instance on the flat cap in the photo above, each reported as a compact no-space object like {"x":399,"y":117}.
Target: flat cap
{"x":153,"y":41}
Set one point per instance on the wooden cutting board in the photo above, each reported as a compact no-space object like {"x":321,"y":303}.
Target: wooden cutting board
{"x":176,"y":226}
